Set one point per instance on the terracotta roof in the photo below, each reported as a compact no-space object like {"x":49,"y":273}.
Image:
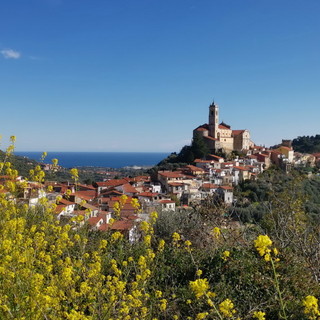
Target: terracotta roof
{"x":148,"y":194}
{"x":215,"y":157}
{"x":170,"y":174}
{"x":122,"y":225}
{"x":94,"y":220}
{"x":257,"y":147}
{"x":83,"y":195}
{"x":80,"y":212}
{"x":224,"y":127}
{"x":141,"y":179}
{"x":112,"y":183}
{"x":119,"y":198}
{"x":203,"y":127}
{"x":110,"y":191}
{"x":166,"y":201}
{"x":202,"y":161}
{"x":129,"y":188}
{"x":209,"y":186}
{"x":176,"y":184}
{"x":104,"y":227}
{"x":226,"y":188}
{"x":89,"y":206}
{"x":286,"y":148}
{"x":59,"y":208}
{"x":66,"y":202}
{"x":241,"y":168}
{"x":237,"y":132}
{"x":85,"y":186}
{"x":194,"y":168}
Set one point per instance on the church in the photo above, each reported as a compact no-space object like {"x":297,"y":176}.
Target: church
{"x":221,"y":136}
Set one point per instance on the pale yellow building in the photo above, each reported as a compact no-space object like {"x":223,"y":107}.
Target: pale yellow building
{"x":221,"y":136}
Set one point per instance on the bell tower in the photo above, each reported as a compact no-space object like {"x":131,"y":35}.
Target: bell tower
{"x":213,"y":120}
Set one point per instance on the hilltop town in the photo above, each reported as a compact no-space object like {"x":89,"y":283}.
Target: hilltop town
{"x":134,"y":247}
{"x":165,"y":190}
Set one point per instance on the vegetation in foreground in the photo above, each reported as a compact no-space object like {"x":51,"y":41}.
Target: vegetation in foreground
{"x":187,"y":265}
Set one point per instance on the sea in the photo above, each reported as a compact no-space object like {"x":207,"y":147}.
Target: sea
{"x":99,"y":159}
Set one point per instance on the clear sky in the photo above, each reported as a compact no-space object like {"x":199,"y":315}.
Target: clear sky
{"x":139,"y":75}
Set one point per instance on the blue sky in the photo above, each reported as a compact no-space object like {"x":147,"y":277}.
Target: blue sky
{"x":139,"y":75}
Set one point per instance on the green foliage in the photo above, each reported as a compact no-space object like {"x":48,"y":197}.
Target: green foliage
{"x":198,"y":147}
{"x":307,"y":144}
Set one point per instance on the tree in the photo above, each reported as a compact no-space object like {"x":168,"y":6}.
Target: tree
{"x":199,"y":147}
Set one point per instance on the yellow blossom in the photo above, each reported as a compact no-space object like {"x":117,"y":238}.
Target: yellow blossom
{"x":225,"y":255}
{"x":199,"y":287}
{"x":201,"y":316}
{"x":262,"y":244}
{"x":199,"y":272}
{"x":216,"y":232}
{"x":311,"y":307}
{"x":226,"y":307}
{"x":259,"y":315}
{"x":176,"y":236}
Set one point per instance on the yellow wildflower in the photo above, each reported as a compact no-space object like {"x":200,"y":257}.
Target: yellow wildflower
{"x":176,"y":236}
{"x":225,"y":255}
{"x":199,"y":272}
{"x":199,"y":287}
{"x":216,"y":232}
{"x":161,"y":245}
{"x":226,"y":307}
{"x":259,"y":315}
{"x":201,"y":316}
{"x":262,"y":244}
{"x":311,"y":307}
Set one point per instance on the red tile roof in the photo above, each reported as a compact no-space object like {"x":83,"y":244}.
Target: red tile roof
{"x":111,"y":191}
{"x":128,"y":188}
{"x":66,"y":202}
{"x":241,"y":168}
{"x":237,"y":132}
{"x":93,"y":221}
{"x":112,"y":183}
{"x":226,"y":188}
{"x":215,"y":157}
{"x":286,"y":148}
{"x":171,"y":174}
{"x":59,"y":208}
{"x":209,"y":186}
{"x":194,"y":168}
{"x":202,"y":161}
{"x":122,"y":225}
{"x":148,"y":194}
{"x":176,"y":184}
{"x":221,"y":126}
{"x":166,"y":201}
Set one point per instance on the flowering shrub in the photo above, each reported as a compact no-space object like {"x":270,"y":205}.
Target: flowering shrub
{"x":54,"y":271}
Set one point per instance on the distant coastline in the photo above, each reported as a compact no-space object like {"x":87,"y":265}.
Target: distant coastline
{"x":71,"y":159}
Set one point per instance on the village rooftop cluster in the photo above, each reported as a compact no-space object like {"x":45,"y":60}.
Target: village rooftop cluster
{"x":170,"y":190}
{"x":120,"y":204}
